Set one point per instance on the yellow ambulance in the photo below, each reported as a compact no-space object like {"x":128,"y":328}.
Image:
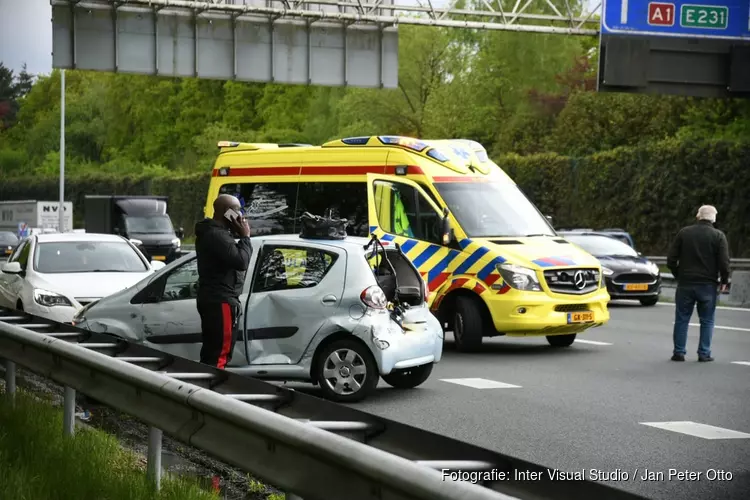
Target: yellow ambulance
{"x":492,"y":262}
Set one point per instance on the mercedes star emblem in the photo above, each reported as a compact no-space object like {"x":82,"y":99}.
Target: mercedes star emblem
{"x":579,"y":280}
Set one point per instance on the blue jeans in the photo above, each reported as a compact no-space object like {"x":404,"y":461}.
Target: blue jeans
{"x":687,"y":296}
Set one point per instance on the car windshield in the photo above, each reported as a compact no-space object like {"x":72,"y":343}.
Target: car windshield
{"x":8,"y":239}
{"x":493,"y":209}
{"x":154,"y":224}
{"x":601,"y":245}
{"x":87,"y":257}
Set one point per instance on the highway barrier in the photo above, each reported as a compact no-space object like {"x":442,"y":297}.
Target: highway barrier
{"x":309,"y":447}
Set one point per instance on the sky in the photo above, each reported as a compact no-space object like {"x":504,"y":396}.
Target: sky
{"x":26,"y":33}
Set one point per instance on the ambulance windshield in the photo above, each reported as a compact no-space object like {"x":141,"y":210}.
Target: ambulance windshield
{"x":493,"y":210}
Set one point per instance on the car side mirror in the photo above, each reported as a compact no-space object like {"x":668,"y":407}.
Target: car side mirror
{"x":157,"y":264}
{"x":447,"y":233}
{"x":180,"y":233}
{"x":12,"y":268}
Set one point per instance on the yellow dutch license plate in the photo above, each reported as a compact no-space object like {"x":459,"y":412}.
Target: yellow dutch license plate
{"x":159,"y":257}
{"x":581,"y":317}
{"x":8,"y":252}
{"x":636,"y":287}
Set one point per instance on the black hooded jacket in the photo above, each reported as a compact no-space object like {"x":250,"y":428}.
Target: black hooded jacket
{"x":222,"y":263}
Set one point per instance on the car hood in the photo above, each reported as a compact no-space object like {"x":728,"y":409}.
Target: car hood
{"x":539,"y":252}
{"x":88,"y":285}
{"x":625,"y":263}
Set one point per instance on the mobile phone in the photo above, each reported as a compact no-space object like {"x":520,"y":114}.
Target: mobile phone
{"x":231,"y":215}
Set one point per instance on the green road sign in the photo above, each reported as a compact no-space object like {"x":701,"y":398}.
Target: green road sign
{"x":704,"y":16}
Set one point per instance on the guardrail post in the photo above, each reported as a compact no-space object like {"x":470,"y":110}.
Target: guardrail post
{"x":10,"y":380}
{"x":69,"y":411}
{"x":154,"y":457}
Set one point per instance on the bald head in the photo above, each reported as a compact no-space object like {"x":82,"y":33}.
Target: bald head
{"x":224,"y":202}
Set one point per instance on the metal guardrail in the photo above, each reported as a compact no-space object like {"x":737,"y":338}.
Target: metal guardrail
{"x":734,"y":264}
{"x":304,"y":445}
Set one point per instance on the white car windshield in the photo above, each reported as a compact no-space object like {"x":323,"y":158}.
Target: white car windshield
{"x":602,"y":245}
{"x":493,"y":209}
{"x":87,"y":257}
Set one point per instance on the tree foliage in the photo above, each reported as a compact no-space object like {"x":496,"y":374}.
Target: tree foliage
{"x":516,"y":93}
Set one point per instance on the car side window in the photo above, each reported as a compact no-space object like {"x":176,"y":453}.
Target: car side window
{"x":182,"y":283}
{"x":403,"y":211}
{"x":345,"y":200}
{"x":290,"y":268}
{"x":270,"y":207}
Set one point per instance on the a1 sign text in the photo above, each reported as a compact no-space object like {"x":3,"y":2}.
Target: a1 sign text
{"x":661,"y":14}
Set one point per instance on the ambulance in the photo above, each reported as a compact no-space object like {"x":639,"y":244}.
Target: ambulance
{"x":492,"y":262}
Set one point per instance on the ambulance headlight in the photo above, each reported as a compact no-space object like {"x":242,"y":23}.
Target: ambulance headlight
{"x":519,"y":277}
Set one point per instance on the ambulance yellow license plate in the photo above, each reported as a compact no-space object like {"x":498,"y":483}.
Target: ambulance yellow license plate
{"x":8,"y":252}
{"x":581,"y":317}
{"x":159,"y":257}
{"x":636,"y":287}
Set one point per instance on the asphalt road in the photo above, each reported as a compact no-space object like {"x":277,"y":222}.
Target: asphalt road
{"x":584,"y":407}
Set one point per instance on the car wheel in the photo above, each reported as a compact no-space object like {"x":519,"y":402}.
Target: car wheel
{"x":651,"y":301}
{"x":347,"y":371}
{"x":468,"y":326}
{"x":561,"y":340}
{"x":409,"y":378}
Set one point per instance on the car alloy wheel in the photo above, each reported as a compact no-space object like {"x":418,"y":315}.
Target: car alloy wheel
{"x":344,"y":371}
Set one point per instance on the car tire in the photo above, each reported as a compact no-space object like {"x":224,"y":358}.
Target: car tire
{"x":468,"y":324}
{"x":352,"y":355}
{"x":409,"y":378}
{"x":651,"y":301}
{"x":561,"y":340}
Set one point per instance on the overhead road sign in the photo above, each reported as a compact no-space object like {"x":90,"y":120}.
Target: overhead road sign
{"x":720,"y":19}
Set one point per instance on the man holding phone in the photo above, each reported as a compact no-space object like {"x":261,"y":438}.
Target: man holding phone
{"x":222,"y":265}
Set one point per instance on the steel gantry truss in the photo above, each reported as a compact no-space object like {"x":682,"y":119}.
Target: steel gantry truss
{"x":541,"y":16}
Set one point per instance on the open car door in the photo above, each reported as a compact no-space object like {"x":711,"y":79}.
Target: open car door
{"x":399,"y":210}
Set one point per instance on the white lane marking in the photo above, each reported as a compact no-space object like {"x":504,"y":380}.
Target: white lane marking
{"x":593,"y":342}
{"x":698,"y":430}
{"x":480,"y":383}
{"x":724,"y":327}
{"x":746,"y":363}
{"x":727,"y":308}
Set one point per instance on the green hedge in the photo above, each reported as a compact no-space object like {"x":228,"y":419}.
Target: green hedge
{"x":650,"y":191}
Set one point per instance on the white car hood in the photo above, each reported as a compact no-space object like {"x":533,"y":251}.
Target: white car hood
{"x":88,"y":285}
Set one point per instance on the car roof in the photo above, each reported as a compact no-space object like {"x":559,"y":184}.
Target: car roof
{"x":77,"y":237}
{"x":348,"y":242}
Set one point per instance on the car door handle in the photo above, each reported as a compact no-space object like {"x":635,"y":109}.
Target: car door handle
{"x":329,"y":300}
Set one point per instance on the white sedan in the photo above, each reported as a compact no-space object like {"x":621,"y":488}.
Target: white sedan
{"x":55,"y":275}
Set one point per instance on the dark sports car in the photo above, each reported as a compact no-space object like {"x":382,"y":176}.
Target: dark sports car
{"x":627,"y":273}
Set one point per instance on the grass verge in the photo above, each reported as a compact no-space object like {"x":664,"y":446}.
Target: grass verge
{"x":37,"y":461}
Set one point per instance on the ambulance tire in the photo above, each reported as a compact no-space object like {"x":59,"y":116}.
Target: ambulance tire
{"x":561,"y":340}
{"x":468,"y":324}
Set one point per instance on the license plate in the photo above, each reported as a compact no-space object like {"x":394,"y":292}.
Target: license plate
{"x":636,"y":287}
{"x":159,"y":257}
{"x":581,"y":317}
{"x":8,"y":252}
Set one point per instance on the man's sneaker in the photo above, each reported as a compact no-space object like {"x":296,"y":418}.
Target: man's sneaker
{"x":678,"y":357}
{"x":704,"y":359}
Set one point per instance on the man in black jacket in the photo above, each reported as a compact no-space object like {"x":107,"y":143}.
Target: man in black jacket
{"x":222,"y":265}
{"x":698,"y":259}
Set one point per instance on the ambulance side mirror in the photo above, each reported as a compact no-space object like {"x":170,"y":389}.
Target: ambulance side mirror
{"x":447,"y":232}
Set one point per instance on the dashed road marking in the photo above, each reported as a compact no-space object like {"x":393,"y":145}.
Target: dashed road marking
{"x":698,"y":430}
{"x":480,"y":383}
{"x":746,"y":363}
{"x":728,"y":308}
{"x":593,"y":342}
{"x":736,"y":328}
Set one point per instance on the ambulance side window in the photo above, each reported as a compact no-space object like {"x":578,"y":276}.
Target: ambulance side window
{"x":269,"y":206}
{"x":408,"y":213}
{"x":346,"y":200}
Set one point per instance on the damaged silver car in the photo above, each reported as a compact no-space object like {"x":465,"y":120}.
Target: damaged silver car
{"x":337,"y":313}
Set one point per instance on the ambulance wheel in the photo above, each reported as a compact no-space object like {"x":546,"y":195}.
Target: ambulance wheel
{"x":347,"y":371}
{"x":408,"y":378}
{"x":468,"y":324}
{"x":561,"y":340}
